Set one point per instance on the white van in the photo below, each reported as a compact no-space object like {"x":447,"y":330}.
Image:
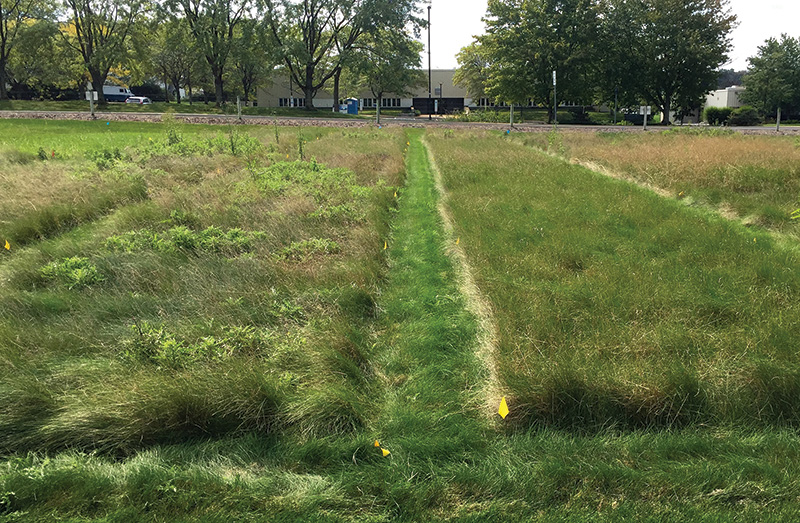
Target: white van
{"x":115,"y":93}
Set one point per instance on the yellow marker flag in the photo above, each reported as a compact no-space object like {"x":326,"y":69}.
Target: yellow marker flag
{"x":377,"y":444}
{"x":8,"y":246}
{"x":385,"y":246}
{"x":287,"y":156}
{"x":458,"y":240}
{"x":503,"y":410}
{"x":395,"y":194}
{"x":385,"y":452}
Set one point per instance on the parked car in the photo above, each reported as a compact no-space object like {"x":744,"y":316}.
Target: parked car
{"x":141,"y":100}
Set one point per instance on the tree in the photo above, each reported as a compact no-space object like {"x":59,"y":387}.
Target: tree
{"x":46,"y":61}
{"x":473,"y":70}
{"x":99,"y":31}
{"x":252,"y":59}
{"x":213,"y":24}
{"x":388,"y":62}
{"x":773,"y":77}
{"x":527,"y":40}
{"x":173,"y":54}
{"x":316,"y":37}
{"x":729,"y":77}
{"x":13,"y":16}
{"x":675,"y":48}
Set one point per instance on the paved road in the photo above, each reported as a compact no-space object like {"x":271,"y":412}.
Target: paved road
{"x":289,"y":121}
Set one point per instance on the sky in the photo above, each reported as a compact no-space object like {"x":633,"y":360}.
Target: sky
{"x":455,"y":22}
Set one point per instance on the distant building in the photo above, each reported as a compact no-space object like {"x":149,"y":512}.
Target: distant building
{"x":728,"y":97}
{"x":444,"y":95}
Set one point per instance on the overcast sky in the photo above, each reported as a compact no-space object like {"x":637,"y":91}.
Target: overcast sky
{"x":455,"y":22}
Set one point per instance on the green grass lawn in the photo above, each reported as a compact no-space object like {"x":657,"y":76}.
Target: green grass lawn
{"x":163,"y":107}
{"x":217,"y":324}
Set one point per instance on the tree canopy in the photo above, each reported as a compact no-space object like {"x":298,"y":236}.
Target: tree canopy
{"x":661,"y":52}
{"x":773,"y":77}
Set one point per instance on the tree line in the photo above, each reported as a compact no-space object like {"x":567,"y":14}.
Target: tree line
{"x":210,"y":44}
{"x":664,"y":53}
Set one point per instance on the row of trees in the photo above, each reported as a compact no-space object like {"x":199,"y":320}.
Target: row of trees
{"x":209,"y":43}
{"x":665,"y":53}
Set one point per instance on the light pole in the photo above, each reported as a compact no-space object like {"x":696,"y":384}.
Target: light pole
{"x":430,"y":94}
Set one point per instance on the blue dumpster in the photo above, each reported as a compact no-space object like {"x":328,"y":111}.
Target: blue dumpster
{"x":352,"y":106}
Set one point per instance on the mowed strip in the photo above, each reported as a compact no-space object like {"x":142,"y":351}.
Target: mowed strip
{"x":618,"y":307}
{"x":428,"y":342}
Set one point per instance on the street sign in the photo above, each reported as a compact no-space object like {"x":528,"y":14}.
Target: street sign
{"x":554,"y":78}
{"x":645,"y":110}
{"x":91,"y":95}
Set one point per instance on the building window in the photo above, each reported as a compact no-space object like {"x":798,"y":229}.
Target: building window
{"x":287,"y":102}
{"x":390,"y":102}
{"x":368,"y":102}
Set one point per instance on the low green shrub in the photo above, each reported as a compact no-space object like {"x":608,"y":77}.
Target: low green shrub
{"x":155,"y":344}
{"x":181,"y":238}
{"x":335,"y":191}
{"x":105,"y":158}
{"x":303,"y":250}
{"x":72,"y":272}
{"x":745,"y":116}
{"x":717,"y":115}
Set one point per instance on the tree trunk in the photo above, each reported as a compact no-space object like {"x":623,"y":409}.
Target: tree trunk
{"x":336,"y":78}
{"x":177,"y":87}
{"x":307,"y":88}
{"x":3,"y":90}
{"x":219,"y":93}
{"x":166,"y":88}
{"x":98,"y":80}
{"x":189,"y":82}
{"x":378,"y":109}
{"x":218,"y":88}
{"x":667,"y":110}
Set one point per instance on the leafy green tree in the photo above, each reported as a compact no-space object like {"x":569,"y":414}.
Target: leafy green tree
{"x":730,"y":77}
{"x":43,"y":60}
{"x":253,"y":58}
{"x":527,"y":40}
{"x":674,"y":49}
{"x":773,"y":77}
{"x":389,"y":62}
{"x":473,"y":70}
{"x":99,"y":31}
{"x":213,"y":24}
{"x":317,"y":37}
{"x":173,"y":54}
{"x":14,"y":16}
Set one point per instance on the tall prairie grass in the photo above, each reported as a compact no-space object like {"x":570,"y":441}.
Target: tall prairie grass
{"x":753,"y":178}
{"x":617,"y":307}
{"x":164,"y":308}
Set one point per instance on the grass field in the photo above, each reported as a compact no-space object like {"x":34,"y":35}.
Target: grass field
{"x":219,"y":324}
{"x":753,"y":178}
{"x":163,"y":107}
{"x":616,"y":306}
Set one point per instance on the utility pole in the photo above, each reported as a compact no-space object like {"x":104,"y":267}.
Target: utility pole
{"x":555,"y":101}
{"x":616,"y":102}
{"x":430,"y":94}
